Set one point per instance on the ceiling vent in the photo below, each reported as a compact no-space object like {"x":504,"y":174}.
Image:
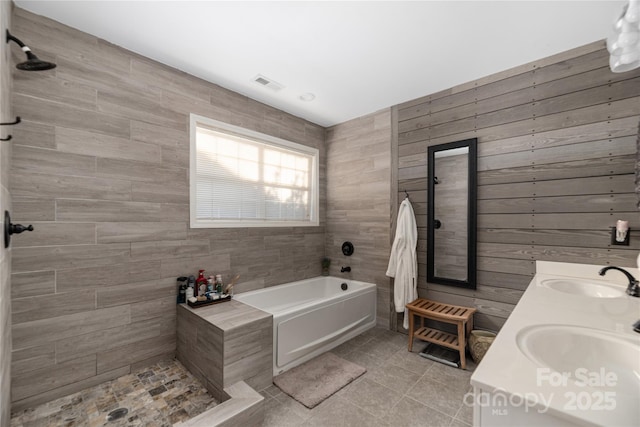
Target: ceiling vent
{"x":267,"y":82}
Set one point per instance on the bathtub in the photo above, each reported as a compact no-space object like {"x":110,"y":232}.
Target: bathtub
{"x":313,"y":316}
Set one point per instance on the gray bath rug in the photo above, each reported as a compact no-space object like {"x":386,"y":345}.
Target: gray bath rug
{"x":315,"y":380}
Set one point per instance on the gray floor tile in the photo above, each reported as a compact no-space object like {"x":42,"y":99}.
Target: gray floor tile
{"x":410,"y":413}
{"x":374,"y":398}
{"x":343,"y":414}
{"x":446,"y":398}
{"x":279,"y":415}
{"x":395,"y":377}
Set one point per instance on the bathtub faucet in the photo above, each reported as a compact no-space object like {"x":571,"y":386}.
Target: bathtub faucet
{"x":345,"y":270}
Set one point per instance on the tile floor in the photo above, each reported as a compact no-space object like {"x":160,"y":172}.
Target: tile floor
{"x":156,"y":396}
{"x":399,"y":389}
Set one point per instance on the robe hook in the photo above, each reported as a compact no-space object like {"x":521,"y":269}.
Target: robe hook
{"x":17,"y":120}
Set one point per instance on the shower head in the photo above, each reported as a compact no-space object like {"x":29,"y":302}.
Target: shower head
{"x":33,"y":63}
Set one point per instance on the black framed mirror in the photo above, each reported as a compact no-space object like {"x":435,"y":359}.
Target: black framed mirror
{"x":451,"y":213}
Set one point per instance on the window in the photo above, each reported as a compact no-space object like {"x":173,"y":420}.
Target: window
{"x":241,"y":178}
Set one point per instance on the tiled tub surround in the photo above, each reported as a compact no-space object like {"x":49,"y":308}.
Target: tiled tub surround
{"x":506,"y":369}
{"x":228,"y":347}
{"x":314,"y":315}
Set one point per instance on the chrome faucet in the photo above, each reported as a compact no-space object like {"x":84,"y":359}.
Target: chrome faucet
{"x":345,"y":270}
{"x":633,"y":288}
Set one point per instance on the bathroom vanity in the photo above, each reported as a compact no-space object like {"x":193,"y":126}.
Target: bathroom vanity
{"x":567,"y":355}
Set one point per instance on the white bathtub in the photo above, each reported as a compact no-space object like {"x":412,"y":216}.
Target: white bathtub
{"x":312,"y":316}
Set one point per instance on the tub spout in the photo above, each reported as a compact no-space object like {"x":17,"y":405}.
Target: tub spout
{"x":345,"y":270}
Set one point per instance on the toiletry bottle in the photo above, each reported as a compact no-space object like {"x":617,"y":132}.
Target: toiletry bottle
{"x":219,"y":284}
{"x":210,"y":284}
{"x":182,"y":289}
{"x":182,"y":293}
{"x":201,"y":283}
{"x":188,"y":293}
{"x":191,"y":283}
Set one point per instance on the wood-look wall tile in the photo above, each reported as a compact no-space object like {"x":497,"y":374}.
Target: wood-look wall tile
{"x":107,"y":339}
{"x":33,"y":209}
{"x":59,"y":257}
{"x":175,"y":156}
{"x":32,"y":358}
{"x":34,"y":134}
{"x":168,"y":78}
{"x":97,"y":75}
{"x":158,"y":134}
{"x":94,"y":144}
{"x":45,"y":331}
{"x":122,"y":232}
{"x":125,"y":104}
{"x":108,"y":275}
{"x":167,"y":192}
{"x":45,"y":186}
{"x":175,"y":267}
{"x":48,"y":86}
{"x":135,"y":292}
{"x":65,"y":115}
{"x":140,"y":350}
{"x":33,"y":283}
{"x":54,"y":234}
{"x":112,"y":211}
{"x":36,"y":160}
{"x":168,"y":249}
{"x":41,"y":380}
{"x":140,"y":171}
{"x":155,"y":307}
{"x":39,"y":307}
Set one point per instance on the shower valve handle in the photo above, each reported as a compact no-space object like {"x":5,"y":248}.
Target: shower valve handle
{"x":19,"y":228}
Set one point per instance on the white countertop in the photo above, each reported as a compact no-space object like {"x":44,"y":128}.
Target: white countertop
{"x":505,"y":368}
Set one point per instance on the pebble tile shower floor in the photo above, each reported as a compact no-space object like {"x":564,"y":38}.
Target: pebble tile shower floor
{"x":158,"y":395}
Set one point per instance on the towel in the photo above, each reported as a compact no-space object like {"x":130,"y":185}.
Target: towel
{"x":403,"y":262}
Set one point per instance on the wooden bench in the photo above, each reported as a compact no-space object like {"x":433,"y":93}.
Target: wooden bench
{"x":462,"y":317}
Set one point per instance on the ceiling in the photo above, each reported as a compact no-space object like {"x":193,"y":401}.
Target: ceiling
{"x":356,"y":57}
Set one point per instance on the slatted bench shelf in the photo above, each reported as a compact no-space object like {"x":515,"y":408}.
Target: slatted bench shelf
{"x":460,"y":316}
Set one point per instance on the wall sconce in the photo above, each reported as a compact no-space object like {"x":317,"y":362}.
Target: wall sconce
{"x":624,"y":44}
{"x":620,"y":233}
{"x":33,"y":63}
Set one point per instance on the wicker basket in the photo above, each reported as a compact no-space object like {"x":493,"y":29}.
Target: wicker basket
{"x":479,"y":342}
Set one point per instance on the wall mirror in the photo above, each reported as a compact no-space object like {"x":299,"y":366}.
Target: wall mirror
{"x":451,"y":219}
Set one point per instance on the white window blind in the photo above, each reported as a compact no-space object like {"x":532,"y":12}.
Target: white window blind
{"x":241,"y":178}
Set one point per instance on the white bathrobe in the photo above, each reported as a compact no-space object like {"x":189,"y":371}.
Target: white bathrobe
{"x":403,"y":263}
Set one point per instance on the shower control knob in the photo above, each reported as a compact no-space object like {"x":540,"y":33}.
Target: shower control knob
{"x":19,"y":228}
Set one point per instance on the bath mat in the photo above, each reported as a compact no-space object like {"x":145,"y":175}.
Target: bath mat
{"x":315,"y":380}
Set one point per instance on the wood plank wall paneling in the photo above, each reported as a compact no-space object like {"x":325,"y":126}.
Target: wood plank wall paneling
{"x":100,"y":167}
{"x":557,"y":143}
{"x":358,"y":208}
{"x":6,"y":115}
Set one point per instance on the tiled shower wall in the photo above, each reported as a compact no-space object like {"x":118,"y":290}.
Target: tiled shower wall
{"x":5,"y":255}
{"x":358,"y":193}
{"x":100,"y":168}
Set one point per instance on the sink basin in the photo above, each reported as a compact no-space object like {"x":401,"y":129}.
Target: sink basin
{"x":582,"y":353}
{"x":583,"y":288}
